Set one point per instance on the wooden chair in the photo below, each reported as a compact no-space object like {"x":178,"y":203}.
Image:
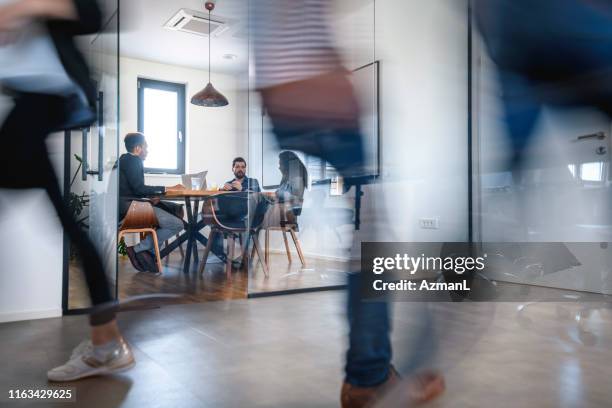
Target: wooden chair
{"x":141,"y":219}
{"x":288,"y":224}
{"x":229,"y":230}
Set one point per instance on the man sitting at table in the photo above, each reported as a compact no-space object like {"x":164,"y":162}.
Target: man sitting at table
{"x":241,"y":182}
{"x":132,"y":186}
{"x":234,"y":209}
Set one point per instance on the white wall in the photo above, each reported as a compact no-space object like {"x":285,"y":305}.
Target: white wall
{"x":31,"y":244}
{"x":422,"y":49}
{"x":214,"y":135}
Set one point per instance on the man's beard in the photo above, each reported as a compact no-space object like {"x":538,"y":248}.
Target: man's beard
{"x":239,"y":175}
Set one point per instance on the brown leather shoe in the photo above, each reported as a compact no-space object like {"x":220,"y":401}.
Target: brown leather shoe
{"x":424,"y":387}
{"x":147,"y":261}
{"x":135,"y":263}
{"x":419,"y":389}
{"x":361,"y":397}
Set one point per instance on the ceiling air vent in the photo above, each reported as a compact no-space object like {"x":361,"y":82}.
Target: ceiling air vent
{"x":194,"y":22}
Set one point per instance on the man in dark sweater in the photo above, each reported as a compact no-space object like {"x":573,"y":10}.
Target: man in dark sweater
{"x":132,"y":186}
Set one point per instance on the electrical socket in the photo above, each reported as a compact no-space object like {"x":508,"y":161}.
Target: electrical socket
{"x":430,"y":223}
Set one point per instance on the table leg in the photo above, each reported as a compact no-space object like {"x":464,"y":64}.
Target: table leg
{"x":194,"y":230}
{"x":190,"y":242}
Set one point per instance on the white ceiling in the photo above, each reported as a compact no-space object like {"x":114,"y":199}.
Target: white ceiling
{"x":143,"y":35}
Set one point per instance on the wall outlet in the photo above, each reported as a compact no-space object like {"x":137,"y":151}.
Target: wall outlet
{"x":430,"y":223}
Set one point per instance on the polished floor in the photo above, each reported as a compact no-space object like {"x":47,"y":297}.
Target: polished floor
{"x":213,"y":285}
{"x":289,"y":276}
{"x":287,"y":351}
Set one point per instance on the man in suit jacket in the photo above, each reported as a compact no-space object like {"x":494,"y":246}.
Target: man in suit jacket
{"x":132,"y":186}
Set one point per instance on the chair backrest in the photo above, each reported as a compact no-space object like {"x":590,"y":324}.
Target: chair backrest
{"x":232,"y":211}
{"x":292,"y":193}
{"x":186,"y":179}
{"x":140,"y":215}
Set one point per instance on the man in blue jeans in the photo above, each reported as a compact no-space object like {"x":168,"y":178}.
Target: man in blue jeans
{"x":308,"y":96}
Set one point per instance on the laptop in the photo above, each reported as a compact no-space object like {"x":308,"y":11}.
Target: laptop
{"x":186,"y":180}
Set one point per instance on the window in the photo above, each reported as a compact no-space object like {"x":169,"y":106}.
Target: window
{"x":161,"y":117}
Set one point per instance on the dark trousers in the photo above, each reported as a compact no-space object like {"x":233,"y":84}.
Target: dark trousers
{"x":369,"y":354}
{"x":25,"y":164}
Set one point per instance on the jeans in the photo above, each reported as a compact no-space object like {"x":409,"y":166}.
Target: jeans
{"x":369,"y":354}
{"x":26,"y":164}
{"x":169,"y":226}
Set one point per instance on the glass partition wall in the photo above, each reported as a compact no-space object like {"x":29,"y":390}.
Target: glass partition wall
{"x":411,"y":83}
{"x":165,"y":61}
{"x":317,"y":247}
{"x":91,"y":176}
{"x":554,"y":207}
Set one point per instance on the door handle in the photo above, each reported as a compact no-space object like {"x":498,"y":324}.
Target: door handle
{"x":101,"y":134}
{"x":84,"y":153}
{"x":598,"y":136}
{"x":180,"y":136}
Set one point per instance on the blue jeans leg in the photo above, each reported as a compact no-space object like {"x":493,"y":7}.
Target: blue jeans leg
{"x":369,"y":355}
{"x":169,"y":226}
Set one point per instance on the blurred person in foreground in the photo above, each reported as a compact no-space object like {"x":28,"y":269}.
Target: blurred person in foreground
{"x":27,"y":165}
{"x":307,"y":94}
{"x":547,"y":52}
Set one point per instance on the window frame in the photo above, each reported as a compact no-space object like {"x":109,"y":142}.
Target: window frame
{"x":144,"y":83}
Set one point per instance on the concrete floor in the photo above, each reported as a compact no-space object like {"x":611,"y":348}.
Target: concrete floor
{"x":287,"y":351}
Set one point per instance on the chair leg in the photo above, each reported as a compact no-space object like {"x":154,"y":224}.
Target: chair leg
{"x":244,"y":243}
{"x":253,"y":251}
{"x":230,"y":255}
{"x":181,"y":247}
{"x":157,"y":255}
{"x":287,"y":245}
{"x":267,"y":254}
{"x":296,"y":241}
{"x":257,"y":248}
{"x":204,"y":259}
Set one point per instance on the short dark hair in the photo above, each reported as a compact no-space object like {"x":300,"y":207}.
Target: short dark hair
{"x":132,"y":140}
{"x":238,"y":160}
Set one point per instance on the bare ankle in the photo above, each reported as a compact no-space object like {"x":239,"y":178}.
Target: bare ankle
{"x":105,"y":333}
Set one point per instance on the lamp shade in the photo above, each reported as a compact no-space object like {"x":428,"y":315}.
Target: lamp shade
{"x":209,"y":97}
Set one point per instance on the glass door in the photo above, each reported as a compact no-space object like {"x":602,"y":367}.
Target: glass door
{"x":93,"y":153}
{"x":554,"y":208}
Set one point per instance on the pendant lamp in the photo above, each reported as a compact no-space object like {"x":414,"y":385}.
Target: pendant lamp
{"x":209,"y":97}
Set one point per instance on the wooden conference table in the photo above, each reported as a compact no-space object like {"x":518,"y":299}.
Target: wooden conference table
{"x":193,"y":226}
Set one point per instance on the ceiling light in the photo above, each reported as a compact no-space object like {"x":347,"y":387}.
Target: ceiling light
{"x":209,"y":97}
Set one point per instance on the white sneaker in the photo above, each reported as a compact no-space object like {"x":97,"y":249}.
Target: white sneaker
{"x":83,"y":363}
{"x":84,"y":347}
